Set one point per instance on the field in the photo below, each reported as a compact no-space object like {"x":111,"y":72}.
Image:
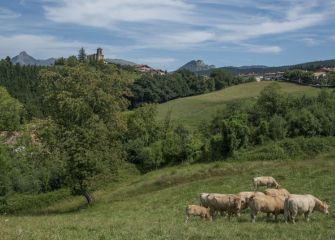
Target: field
{"x":193,"y":110}
{"x":152,"y":206}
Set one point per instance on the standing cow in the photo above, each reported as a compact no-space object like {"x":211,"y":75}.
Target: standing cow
{"x":266,"y":204}
{"x":245,"y":197}
{"x":302,"y":204}
{"x":225,"y":203}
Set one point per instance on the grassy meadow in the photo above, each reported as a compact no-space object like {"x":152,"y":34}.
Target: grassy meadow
{"x":193,"y":110}
{"x":152,"y":206}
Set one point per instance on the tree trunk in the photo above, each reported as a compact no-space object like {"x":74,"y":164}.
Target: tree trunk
{"x":89,"y":198}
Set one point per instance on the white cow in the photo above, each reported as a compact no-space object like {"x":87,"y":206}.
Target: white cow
{"x":302,"y":204}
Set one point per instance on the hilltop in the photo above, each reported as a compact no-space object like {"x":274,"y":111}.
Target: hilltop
{"x":25,"y":59}
{"x":196,"y":66}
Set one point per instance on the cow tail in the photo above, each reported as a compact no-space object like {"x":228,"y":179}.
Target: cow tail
{"x":286,"y":210}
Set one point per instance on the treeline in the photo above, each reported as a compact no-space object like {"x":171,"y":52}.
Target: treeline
{"x":159,"y":89}
{"x":21,"y":82}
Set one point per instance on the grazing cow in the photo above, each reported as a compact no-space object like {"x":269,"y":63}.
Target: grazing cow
{"x":264,"y":181}
{"x":245,"y":196}
{"x":223,"y":203}
{"x":277,"y":192}
{"x":266,"y":204}
{"x":195,"y":210}
{"x":302,"y":204}
{"x":204,"y":198}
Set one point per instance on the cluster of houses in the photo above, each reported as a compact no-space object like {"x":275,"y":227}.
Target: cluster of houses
{"x":149,"y":70}
{"x":265,"y":76}
{"x":323,"y":72}
{"x":271,"y":76}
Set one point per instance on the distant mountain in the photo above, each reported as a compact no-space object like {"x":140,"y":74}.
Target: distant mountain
{"x":24,"y":59}
{"x":260,"y":69}
{"x":196,"y":66}
{"x":252,"y":67}
{"x":120,"y":62}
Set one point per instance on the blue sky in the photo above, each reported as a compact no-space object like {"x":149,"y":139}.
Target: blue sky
{"x":168,"y":33}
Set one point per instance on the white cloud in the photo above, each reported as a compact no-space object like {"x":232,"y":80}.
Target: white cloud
{"x":310,"y":41}
{"x":176,"y":24}
{"x":261,"y":48}
{"x":46,"y":46}
{"x":240,"y":32}
{"x":187,"y":39}
{"x":108,"y":13}
{"x":8,"y":14}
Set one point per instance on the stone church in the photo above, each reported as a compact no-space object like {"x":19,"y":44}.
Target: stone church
{"x":96,"y":56}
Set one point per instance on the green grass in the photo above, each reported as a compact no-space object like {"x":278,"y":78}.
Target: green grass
{"x":193,"y":110}
{"x":152,"y":206}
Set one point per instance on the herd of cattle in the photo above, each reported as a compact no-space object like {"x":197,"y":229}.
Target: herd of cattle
{"x":275,"y":200}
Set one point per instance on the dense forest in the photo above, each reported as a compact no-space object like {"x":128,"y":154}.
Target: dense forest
{"x":183,"y":83}
{"x":76,"y":130}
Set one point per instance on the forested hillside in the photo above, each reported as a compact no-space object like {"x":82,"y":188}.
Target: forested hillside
{"x":74,"y":129}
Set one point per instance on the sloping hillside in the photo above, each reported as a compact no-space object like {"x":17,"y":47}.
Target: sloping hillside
{"x":153,"y":206}
{"x":193,"y":110}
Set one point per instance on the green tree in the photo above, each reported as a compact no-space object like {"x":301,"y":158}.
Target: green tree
{"x":222,"y":78}
{"x":235,"y":134}
{"x":71,"y":61}
{"x":11,"y":111}
{"x":82,"y":55}
{"x":86,"y":107}
{"x":277,"y":128}
{"x":4,"y":177}
{"x":270,"y":102}
{"x":303,"y":123}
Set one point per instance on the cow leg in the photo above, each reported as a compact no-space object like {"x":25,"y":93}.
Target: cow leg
{"x":307,"y":216}
{"x":212,"y":212}
{"x":293,"y":218}
{"x":187,"y":217}
{"x":253,"y":217}
{"x":287,"y":216}
{"x":276,"y":217}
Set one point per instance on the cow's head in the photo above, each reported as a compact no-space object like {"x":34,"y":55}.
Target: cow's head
{"x":325,"y":208}
{"x":239,"y":202}
{"x":322,"y":207}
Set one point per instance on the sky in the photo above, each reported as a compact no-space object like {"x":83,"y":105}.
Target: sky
{"x":168,"y":33}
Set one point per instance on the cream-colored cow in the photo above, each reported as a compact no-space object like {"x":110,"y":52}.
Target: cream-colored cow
{"x":195,"y":210}
{"x":264,"y":181}
{"x":266,"y":204}
{"x":302,"y":204}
